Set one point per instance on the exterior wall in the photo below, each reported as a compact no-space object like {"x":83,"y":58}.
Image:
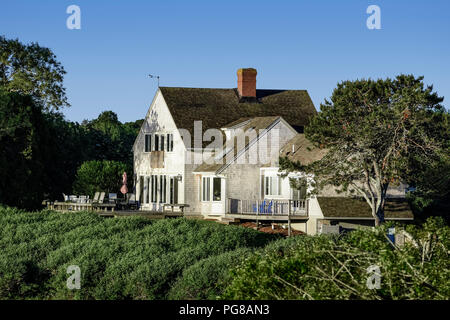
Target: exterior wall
{"x":244,"y":176}
{"x":243,"y":182}
{"x":159,"y":120}
{"x":193,"y":181}
{"x":301,"y":226}
{"x":315,"y":214}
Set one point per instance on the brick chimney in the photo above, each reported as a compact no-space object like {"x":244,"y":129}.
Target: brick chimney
{"x":247,"y":82}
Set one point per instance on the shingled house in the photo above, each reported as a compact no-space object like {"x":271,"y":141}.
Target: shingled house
{"x":215,"y":152}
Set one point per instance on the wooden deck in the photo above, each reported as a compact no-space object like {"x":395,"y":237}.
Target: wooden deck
{"x":140,"y":213}
{"x":108,"y":210}
{"x":267,"y":217}
{"x":268,"y":209}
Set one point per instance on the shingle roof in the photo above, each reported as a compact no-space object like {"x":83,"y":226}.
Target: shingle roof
{"x":304,"y":150}
{"x":218,"y":107}
{"x":347,"y":207}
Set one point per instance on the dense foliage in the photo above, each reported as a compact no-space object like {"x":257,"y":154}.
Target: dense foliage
{"x":379,"y":132}
{"x":26,"y":145}
{"x":41,"y":152}
{"x":32,"y":70}
{"x":207,"y":278}
{"x":97,"y":175}
{"x":128,"y":258}
{"x":326,"y":267}
{"x":137,"y":258}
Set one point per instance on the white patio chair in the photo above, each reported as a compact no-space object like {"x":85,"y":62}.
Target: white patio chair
{"x":101,"y":198}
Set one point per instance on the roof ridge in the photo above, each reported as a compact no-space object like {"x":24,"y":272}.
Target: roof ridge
{"x":234,"y":88}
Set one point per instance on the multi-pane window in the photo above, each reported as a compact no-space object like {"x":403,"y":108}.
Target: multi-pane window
{"x":272,"y":186}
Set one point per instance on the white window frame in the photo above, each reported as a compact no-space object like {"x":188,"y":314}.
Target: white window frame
{"x":206,"y":189}
{"x":169,"y":142}
{"x":268,"y":186}
{"x":145,"y":142}
{"x":165,"y":142}
{"x":207,"y":182}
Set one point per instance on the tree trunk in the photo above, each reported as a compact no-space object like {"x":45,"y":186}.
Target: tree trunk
{"x":375,"y":216}
{"x":378,"y":214}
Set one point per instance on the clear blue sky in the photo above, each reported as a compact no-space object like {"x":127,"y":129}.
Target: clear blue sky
{"x":293,"y":44}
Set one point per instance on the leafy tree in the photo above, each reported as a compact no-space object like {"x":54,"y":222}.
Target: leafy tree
{"x":376,"y":133}
{"x":24,"y":142}
{"x":70,"y":147}
{"x":110,"y":139}
{"x":105,"y":175}
{"x":33,"y":70}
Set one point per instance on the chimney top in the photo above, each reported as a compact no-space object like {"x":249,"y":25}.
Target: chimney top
{"x":247,"y":82}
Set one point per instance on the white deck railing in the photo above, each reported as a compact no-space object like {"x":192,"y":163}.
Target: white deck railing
{"x":268,"y":207}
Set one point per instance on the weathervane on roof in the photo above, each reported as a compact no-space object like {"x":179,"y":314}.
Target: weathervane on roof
{"x":152,"y":76}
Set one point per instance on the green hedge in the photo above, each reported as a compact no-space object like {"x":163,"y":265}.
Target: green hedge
{"x":137,"y":258}
{"x":207,"y":278}
{"x":125,"y":258}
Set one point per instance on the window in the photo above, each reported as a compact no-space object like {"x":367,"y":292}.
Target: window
{"x":161,"y":147}
{"x":148,"y":142}
{"x":147,"y":183}
{"x":206,"y":189}
{"x":169,"y":143}
{"x":217,"y":189}
{"x":161,"y":142}
{"x":156,"y":143}
{"x":299,"y":194}
{"x":162,"y":188}
{"x":141,"y":188}
{"x":154,"y":181}
{"x":173,"y":192}
{"x":211,"y":187}
{"x":272,"y":186}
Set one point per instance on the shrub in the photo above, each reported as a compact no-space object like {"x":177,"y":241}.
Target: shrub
{"x":327,"y":267}
{"x":127,"y":258}
{"x":105,"y":175}
{"x":206,"y":278}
